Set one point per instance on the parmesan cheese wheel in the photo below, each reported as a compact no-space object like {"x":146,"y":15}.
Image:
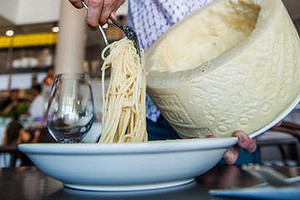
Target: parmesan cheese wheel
{"x":233,"y":65}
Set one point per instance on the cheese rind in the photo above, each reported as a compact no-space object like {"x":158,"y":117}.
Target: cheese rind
{"x":245,"y":82}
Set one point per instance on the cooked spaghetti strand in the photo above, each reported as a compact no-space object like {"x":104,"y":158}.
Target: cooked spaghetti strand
{"x":124,"y":109}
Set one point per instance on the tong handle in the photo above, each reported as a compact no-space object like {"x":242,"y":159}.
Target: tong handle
{"x":99,"y":27}
{"x":119,"y":25}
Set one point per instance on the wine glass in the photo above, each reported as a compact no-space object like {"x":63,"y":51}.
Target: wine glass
{"x":70,"y":112}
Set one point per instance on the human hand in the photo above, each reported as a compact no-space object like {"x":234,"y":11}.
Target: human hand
{"x":99,"y":10}
{"x":24,"y":136}
{"x":244,"y":142}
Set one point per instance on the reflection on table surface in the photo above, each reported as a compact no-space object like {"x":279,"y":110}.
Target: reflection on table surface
{"x":29,"y":183}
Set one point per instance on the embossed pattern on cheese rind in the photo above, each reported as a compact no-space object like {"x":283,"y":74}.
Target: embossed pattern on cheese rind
{"x":245,"y":88}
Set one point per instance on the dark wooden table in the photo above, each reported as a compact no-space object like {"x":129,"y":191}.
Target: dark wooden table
{"x":28,"y":183}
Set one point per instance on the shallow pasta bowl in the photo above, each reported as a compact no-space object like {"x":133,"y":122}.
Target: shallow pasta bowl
{"x":123,"y":167}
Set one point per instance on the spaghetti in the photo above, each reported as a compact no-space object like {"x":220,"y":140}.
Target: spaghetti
{"x":124,"y":109}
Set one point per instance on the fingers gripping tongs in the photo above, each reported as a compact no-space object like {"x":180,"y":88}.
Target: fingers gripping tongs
{"x":128,"y":31}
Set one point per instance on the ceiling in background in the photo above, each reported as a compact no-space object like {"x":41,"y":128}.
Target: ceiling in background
{"x":21,"y":12}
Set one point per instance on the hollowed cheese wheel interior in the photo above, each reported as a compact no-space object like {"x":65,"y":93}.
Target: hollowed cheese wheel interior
{"x":205,"y":36}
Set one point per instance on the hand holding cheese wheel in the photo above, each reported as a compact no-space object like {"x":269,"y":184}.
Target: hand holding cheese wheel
{"x":234,"y":65}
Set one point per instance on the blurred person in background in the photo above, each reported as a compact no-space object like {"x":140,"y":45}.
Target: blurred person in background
{"x":36,"y":130}
{"x":16,"y":134}
{"x":48,"y":80}
{"x":13,"y":105}
{"x":37,"y":108}
{"x":12,"y":131}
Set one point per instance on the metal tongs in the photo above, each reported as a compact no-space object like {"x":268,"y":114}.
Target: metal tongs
{"x":128,"y":31}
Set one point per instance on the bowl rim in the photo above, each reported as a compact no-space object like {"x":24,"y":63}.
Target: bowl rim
{"x":178,"y":145}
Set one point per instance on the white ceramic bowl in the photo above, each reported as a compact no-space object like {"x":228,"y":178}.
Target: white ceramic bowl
{"x":122,"y":167}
